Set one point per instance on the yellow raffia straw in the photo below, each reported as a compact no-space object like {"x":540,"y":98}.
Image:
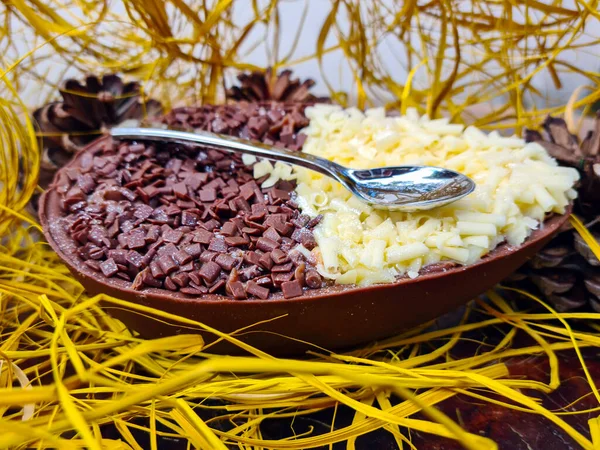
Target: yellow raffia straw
{"x":192,"y":421}
{"x":185,"y":51}
{"x":86,"y":370}
{"x":570,"y":334}
{"x":384,"y":402}
{"x":594,"y":425}
{"x":552,"y":359}
{"x":468,"y":440}
{"x":586,"y":235}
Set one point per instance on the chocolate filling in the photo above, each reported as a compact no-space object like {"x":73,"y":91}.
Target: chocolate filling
{"x":186,"y":219}
{"x":273,"y":123}
{"x":193,"y":220}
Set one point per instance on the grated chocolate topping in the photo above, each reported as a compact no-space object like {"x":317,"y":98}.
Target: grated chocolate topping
{"x":186,"y":219}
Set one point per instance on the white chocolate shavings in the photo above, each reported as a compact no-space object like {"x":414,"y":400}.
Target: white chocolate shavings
{"x":517,"y":185}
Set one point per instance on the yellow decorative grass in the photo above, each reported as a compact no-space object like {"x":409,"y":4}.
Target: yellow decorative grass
{"x":443,"y":57}
{"x":68,"y":368}
{"x":87,"y":370}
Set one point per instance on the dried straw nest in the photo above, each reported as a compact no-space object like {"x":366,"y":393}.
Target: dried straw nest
{"x":69,"y":370}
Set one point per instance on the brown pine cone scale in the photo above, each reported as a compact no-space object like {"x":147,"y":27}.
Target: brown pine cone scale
{"x":566,"y":271}
{"x":87,"y":109}
{"x":265,"y":86}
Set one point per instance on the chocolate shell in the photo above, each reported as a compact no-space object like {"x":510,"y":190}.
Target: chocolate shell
{"x":333,"y":318}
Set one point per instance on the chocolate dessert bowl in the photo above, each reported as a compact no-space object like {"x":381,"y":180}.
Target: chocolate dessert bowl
{"x":192,"y":256}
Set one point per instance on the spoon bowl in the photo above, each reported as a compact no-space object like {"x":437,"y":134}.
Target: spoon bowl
{"x":404,"y":188}
{"x":409,"y":188}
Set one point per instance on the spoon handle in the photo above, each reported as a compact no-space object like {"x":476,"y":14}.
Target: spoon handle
{"x":233,"y":144}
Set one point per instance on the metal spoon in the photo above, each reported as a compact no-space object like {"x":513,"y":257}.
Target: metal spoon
{"x":403,"y":188}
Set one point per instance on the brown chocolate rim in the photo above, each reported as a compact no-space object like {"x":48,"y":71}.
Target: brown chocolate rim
{"x":50,"y":214}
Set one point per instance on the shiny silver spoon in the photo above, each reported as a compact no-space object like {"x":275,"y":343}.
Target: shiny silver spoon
{"x":403,"y":188}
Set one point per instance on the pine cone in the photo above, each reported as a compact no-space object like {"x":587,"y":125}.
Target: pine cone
{"x":265,"y":86}
{"x":566,"y":271}
{"x":85,"y":111}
